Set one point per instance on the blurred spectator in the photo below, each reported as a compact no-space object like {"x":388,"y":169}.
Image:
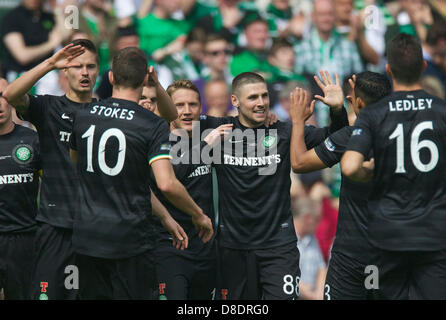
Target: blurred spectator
{"x":435,"y":53}
{"x":227,"y":19}
{"x":325,"y":49}
{"x":351,"y":25}
{"x":433,"y":86}
{"x":126,"y":10}
{"x":215,"y":58}
{"x":414,"y":18}
{"x":188,"y":63}
{"x":125,"y":37}
{"x":29,"y":36}
{"x":218,"y":98}
{"x":148,"y":97}
{"x":253,"y":56}
{"x":438,"y":9}
{"x":306,"y":216}
{"x":281,"y":60}
{"x":160,"y":34}
{"x":96,"y":21}
{"x":282,"y":107}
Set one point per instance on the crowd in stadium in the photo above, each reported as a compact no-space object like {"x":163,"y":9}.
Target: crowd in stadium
{"x":211,"y":42}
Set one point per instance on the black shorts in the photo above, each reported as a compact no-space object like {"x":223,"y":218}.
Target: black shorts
{"x":183,"y":276}
{"x":270,"y":274}
{"x":16,"y":264}
{"x":414,"y":275}
{"x":118,"y":279}
{"x":345,"y":279}
{"x":55,"y":259}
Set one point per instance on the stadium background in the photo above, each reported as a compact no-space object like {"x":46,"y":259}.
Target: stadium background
{"x":278,"y":38}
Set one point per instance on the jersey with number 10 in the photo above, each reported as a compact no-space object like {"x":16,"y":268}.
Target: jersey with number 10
{"x":407,"y":204}
{"x":116,"y":140}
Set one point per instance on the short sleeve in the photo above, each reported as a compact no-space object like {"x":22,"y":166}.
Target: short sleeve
{"x":361,"y":139}
{"x":331,"y":150}
{"x":160,"y":145}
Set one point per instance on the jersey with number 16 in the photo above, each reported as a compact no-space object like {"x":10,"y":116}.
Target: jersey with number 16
{"x":407,"y":205}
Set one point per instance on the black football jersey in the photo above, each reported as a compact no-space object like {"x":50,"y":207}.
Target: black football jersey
{"x":53,"y":116}
{"x":116,"y":141}
{"x":254,"y":182}
{"x":19,"y":179}
{"x":407,"y":204}
{"x":351,"y":231}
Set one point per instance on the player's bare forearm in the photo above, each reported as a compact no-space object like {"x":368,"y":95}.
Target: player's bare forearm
{"x":180,"y":239}
{"x":180,"y":198}
{"x":16,"y":92}
{"x":165,"y":107}
{"x":352,"y":167}
{"x":297,"y":145}
{"x":15,"y":42}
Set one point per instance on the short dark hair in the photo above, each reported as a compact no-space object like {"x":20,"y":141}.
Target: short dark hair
{"x":214,"y":37}
{"x":182,"y":84}
{"x":129,"y":67}
{"x":245,"y":78}
{"x":372,"y":86}
{"x":88,"y":45}
{"x":405,"y":58}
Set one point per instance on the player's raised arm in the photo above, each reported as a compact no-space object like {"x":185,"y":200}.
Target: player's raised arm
{"x":165,"y":107}
{"x":16,"y":92}
{"x":302,"y":160}
{"x":180,"y":239}
{"x":175,"y":192}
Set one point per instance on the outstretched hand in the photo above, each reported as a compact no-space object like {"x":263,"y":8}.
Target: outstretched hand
{"x":64,"y":57}
{"x":333,"y":95}
{"x":300,"y":107}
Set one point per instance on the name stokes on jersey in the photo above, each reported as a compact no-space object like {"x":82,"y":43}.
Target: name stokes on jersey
{"x":113,"y":112}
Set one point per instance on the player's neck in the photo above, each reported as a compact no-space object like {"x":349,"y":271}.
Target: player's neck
{"x":79,"y":97}
{"x":249,"y":124}
{"x":405,"y":87}
{"x":127,"y":94}
{"x":6,"y":128}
